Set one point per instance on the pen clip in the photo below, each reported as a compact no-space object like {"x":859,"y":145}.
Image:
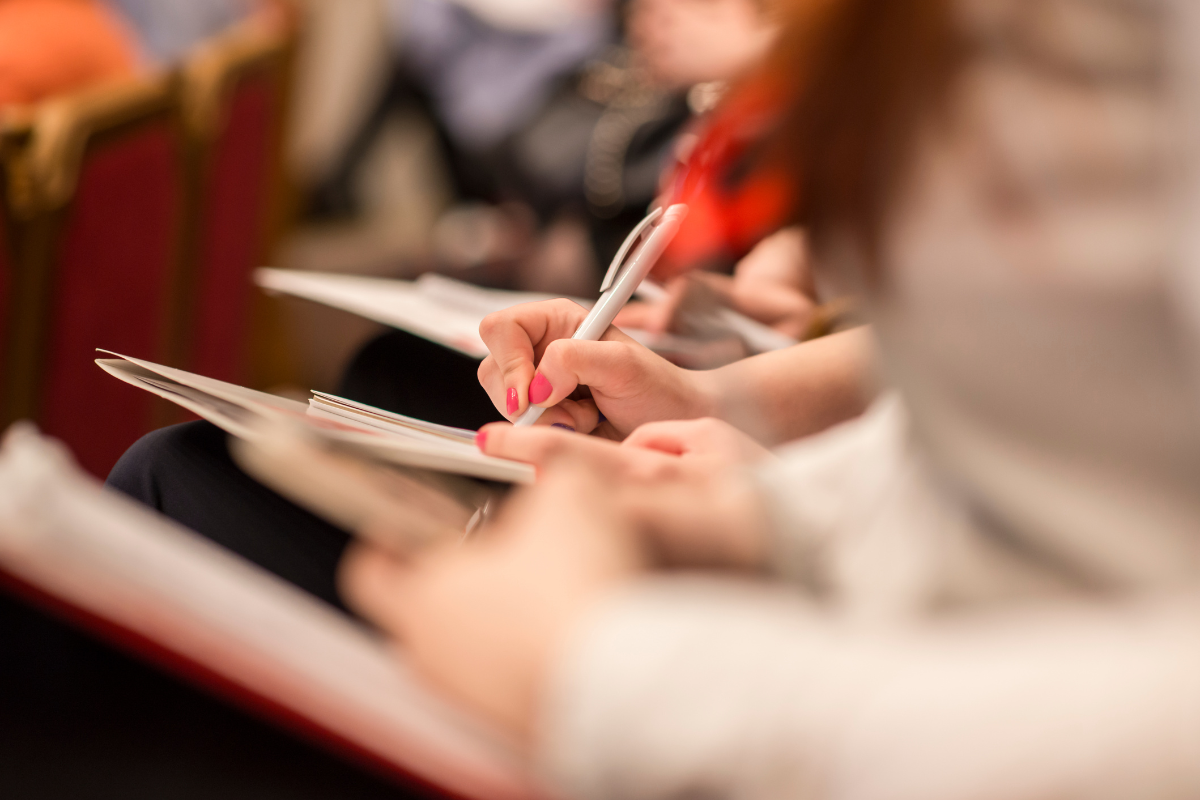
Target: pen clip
{"x":614,"y":269}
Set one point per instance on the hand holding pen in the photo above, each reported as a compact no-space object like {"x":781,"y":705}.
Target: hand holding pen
{"x":541,"y":353}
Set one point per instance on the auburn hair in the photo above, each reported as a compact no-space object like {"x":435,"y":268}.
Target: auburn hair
{"x":866,"y":74}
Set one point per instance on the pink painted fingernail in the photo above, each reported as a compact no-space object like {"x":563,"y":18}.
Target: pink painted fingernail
{"x":514,"y":402}
{"x":540,"y":389}
{"x":481,"y":441}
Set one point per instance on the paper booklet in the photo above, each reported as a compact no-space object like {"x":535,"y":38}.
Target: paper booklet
{"x":355,"y":427}
{"x":187,"y":603}
{"x":448,"y":312}
{"x":435,"y":307}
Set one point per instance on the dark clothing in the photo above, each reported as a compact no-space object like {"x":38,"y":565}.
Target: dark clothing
{"x":410,"y":375}
{"x":80,"y":720}
{"x":185,"y":472}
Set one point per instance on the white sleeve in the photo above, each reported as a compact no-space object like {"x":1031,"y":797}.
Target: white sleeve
{"x":832,"y":482}
{"x":695,"y":688}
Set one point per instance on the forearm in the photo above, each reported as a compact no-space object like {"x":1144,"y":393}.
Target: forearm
{"x":781,"y":396}
{"x":737,"y":692}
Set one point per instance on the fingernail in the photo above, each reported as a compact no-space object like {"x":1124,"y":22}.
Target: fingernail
{"x":540,"y":389}
{"x":481,"y":440}
{"x":514,"y":402}
{"x":564,"y":427}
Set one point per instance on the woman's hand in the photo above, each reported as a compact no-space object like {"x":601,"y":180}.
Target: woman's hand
{"x":773,"y":285}
{"x":485,"y":621}
{"x":706,"y":437}
{"x":692,"y":502}
{"x":533,"y":360}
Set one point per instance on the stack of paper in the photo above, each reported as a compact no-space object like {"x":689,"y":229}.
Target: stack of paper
{"x":437,"y":308}
{"x":372,"y":432}
{"x":448,"y":311}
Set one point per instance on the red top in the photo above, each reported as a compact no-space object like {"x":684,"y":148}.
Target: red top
{"x":734,"y":200}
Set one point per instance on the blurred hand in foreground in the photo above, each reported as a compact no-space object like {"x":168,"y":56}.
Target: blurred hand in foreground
{"x":486,"y":620}
{"x":682,"y":486}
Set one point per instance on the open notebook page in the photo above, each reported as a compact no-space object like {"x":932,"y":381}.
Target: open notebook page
{"x":387,"y":420}
{"x":440,"y":309}
{"x":448,"y":311}
{"x":229,"y":407}
{"x":247,"y":630}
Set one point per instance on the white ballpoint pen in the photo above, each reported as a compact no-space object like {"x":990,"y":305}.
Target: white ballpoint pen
{"x":650,"y":237}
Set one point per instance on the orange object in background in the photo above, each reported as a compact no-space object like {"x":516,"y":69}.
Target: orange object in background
{"x":53,"y":46}
{"x":735,"y":199}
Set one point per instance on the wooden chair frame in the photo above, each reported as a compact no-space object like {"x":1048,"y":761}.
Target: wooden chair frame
{"x":208,"y":79}
{"x":43,"y":150}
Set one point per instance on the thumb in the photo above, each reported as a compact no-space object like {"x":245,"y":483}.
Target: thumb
{"x":610,"y":366}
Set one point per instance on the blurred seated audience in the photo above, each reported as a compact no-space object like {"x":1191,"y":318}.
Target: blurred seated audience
{"x":167,"y":29}
{"x":477,"y":71}
{"x":52,"y":46}
{"x":551,"y":124}
{"x":736,"y":246}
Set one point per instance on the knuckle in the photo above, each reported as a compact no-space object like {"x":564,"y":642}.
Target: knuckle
{"x":487,"y":368}
{"x":562,"y":305}
{"x":627,"y":355}
{"x":548,"y":445}
{"x":650,"y":430}
{"x":560,"y":353}
{"x":490,"y":324}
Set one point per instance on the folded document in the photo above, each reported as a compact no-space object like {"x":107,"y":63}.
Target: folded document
{"x":370,"y":432}
{"x":448,"y":312}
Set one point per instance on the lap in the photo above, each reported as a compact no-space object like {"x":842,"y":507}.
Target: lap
{"x":186,"y":473}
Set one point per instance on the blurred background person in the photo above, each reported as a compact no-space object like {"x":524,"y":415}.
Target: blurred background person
{"x":604,"y":137}
{"x":168,"y":29}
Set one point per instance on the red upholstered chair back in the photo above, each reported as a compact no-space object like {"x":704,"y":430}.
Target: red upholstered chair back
{"x":97,"y":261}
{"x":5,"y":282}
{"x":114,"y":268}
{"x":233,"y":219}
{"x":232,"y":91}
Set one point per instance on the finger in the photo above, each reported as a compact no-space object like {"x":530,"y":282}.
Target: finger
{"x":492,"y":381}
{"x":643,"y":316}
{"x":672,"y":437}
{"x":539,"y":444}
{"x":370,"y":580}
{"x":515,"y":338}
{"x":576,"y":416}
{"x":612,"y":363}
{"x":584,"y":414}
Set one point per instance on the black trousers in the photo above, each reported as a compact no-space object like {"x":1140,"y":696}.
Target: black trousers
{"x":81,"y":720}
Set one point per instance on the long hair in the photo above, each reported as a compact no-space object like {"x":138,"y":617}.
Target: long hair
{"x":870,"y":73}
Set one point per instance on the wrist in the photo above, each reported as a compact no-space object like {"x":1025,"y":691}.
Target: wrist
{"x":704,"y":393}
